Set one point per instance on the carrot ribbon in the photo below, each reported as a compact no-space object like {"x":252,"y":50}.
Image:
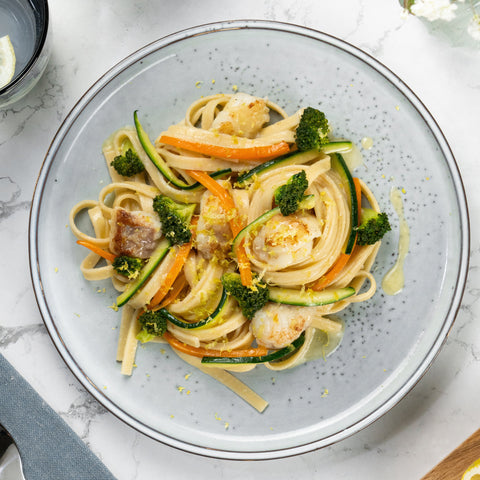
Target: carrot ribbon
{"x":207,"y":352}
{"x":258,"y":152}
{"x":180,"y":259}
{"x":228,"y":205}
{"x":99,"y":251}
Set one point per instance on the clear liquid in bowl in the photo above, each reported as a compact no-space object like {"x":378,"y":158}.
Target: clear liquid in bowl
{"x":17,"y":19}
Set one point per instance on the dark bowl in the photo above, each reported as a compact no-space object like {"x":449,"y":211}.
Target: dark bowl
{"x":32,"y":21}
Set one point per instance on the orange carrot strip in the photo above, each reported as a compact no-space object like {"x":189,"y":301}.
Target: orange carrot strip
{"x":247,"y":153}
{"x":99,"y":251}
{"x":343,"y":259}
{"x":244,"y":266}
{"x":172,"y":274}
{"x":228,"y":205}
{"x":205,"y":352}
{"x":214,"y":187}
{"x":332,"y":273}
{"x":176,"y":268}
{"x":173,"y":293}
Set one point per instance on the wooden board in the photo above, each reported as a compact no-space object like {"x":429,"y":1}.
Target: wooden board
{"x":453,"y":466}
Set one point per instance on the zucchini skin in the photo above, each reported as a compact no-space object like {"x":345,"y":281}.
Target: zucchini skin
{"x":338,"y":164}
{"x":288,"y":159}
{"x":307,"y":203}
{"x":269,"y":357}
{"x":201,"y":323}
{"x":157,"y":256}
{"x":162,"y":167}
{"x":337,"y":147}
{"x":309,"y":298}
{"x":296,"y":158}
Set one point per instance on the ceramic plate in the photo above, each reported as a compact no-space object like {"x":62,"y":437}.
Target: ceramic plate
{"x":390,"y":340}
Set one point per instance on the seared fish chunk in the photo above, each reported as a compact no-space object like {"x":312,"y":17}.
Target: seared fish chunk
{"x":243,"y":116}
{"x":134,"y":233}
{"x":276,"y":326}
{"x":286,"y":241}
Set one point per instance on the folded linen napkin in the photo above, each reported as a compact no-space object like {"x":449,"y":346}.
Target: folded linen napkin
{"x":49,"y":448}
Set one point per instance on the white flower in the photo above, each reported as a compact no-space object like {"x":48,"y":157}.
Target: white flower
{"x":474,"y":27}
{"x":434,"y":9}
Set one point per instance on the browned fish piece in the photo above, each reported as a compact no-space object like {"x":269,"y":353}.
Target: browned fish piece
{"x":134,"y":233}
{"x":243,"y":116}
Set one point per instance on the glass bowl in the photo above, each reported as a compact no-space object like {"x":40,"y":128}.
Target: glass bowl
{"x":27,"y":24}
{"x":389,"y":341}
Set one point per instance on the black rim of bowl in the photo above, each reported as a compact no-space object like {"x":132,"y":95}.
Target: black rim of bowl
{"x":40,"y":10}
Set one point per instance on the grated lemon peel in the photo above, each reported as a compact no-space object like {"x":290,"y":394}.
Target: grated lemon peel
{"x":7,"y":61}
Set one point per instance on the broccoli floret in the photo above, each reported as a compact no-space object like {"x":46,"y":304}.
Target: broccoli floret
{"x":373,"y":227}
{"x":250,"y":299}
{"x":312,"y":130}
{"x":175,"y":218}
{"x":288,"y":196}
{"x":153,"y":324}
{"x":128,"y":266}
{"x":128,"y":164}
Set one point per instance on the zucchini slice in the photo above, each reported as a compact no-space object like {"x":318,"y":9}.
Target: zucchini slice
{"x":291,"y":159}
{"x":307,"y":203}
{"x":338,"y":164}
{"x":157,"y":256}
{"x":163,"y":168}
{"x":309,"y":298}
{"x":201,"y":323}
{"x":338,"y":146}
{"x":269,"y":357}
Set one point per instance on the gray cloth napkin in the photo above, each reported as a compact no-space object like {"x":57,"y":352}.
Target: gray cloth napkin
{"x":49,"y":448}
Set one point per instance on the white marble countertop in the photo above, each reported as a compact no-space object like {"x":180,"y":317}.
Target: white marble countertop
{"x":89,"y":37}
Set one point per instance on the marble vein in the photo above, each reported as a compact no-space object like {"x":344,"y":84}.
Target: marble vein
{"x":11,"y":335}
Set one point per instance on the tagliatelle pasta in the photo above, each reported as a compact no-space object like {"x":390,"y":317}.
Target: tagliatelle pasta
{"x":228,"y":161}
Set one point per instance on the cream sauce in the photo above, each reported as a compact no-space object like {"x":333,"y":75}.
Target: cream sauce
{"x":394,"y":280}
{"x":353,"y":158}
{"x":324,"y":344}
{"x":367,"y":143}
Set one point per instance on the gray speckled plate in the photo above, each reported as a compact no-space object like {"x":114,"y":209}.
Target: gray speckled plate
{"x":390,"y":340}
